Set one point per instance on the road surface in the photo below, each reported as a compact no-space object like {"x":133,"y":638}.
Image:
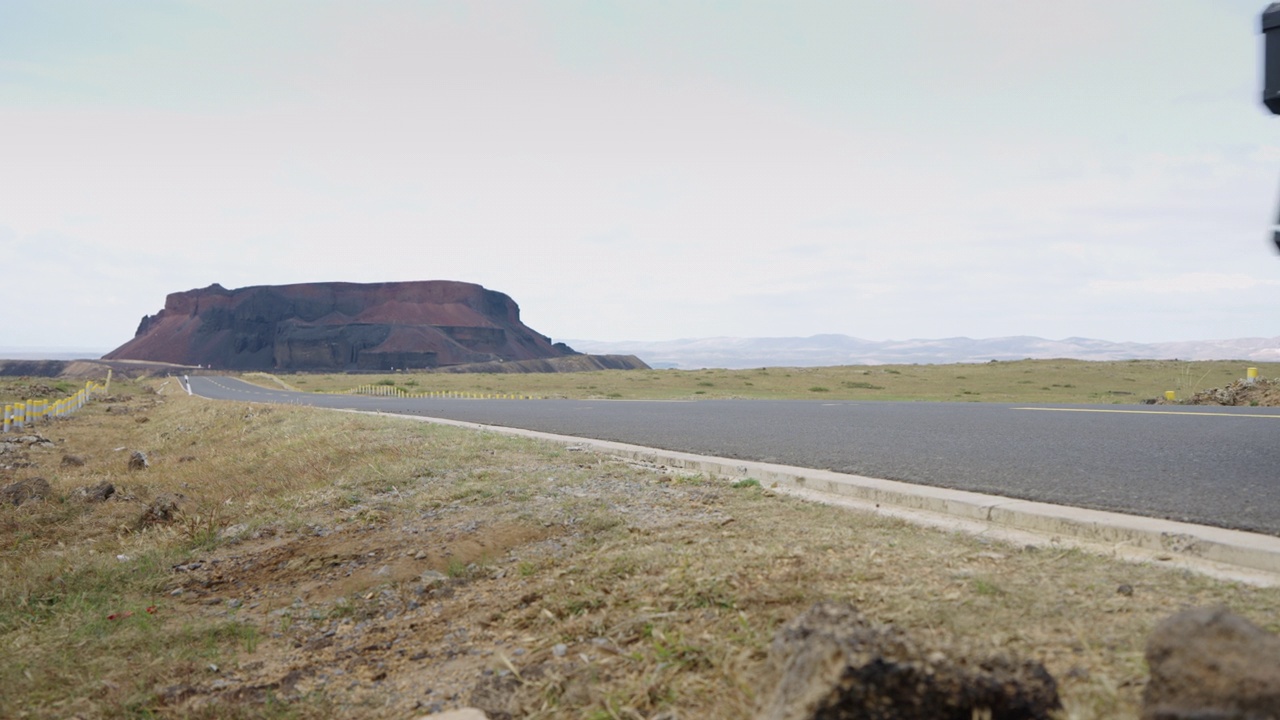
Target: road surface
{"x":1215,"y":466}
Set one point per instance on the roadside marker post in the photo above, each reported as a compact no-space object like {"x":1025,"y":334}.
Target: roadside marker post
{"x":1251,"y":375}
{"x":20,"y":415}
{"x":1170,"y":395}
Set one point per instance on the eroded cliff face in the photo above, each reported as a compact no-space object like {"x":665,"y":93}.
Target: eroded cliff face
{"x":337,"y":326}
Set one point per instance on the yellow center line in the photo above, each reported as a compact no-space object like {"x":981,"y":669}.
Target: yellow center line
{"x":1153,"y":412}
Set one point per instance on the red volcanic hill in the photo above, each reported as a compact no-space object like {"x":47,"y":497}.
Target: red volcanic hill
{"x":337,"y":326}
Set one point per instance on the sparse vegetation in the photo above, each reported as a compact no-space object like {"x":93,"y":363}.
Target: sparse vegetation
{"x":330,"y":565}
{"x":1029,"y":381}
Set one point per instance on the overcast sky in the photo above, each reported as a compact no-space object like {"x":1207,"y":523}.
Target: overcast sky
{"x":649,"y":170}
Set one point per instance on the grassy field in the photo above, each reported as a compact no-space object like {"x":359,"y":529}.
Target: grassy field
{"x":334,"y":565}
{"x":1031,"y":381}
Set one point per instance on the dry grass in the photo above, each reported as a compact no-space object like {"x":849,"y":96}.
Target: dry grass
{"x":20,"y":389}
{"x":372,"y":567}
{"x":1039,"y":381}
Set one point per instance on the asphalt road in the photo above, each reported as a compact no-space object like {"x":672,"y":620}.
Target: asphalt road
{"x":1216,"y":466}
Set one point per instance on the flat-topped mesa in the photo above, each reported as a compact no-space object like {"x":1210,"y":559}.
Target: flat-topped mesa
{"x":338,"y":326}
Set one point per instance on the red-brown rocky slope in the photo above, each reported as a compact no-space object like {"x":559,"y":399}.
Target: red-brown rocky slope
{"x":337,"y":326}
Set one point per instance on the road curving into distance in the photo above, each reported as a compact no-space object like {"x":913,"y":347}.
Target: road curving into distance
{"x":1205,"y":465}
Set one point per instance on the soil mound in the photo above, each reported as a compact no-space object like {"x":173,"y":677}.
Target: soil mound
{"x":1261,"y":392}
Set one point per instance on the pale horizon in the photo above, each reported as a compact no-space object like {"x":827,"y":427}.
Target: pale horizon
{"x":917,"y":169}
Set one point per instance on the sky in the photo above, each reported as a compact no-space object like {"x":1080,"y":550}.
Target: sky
{"x":649,"y":170}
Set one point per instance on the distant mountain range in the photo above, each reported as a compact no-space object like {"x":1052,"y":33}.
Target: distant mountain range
{"x":59,"y":353}
{"x":821,"y":350}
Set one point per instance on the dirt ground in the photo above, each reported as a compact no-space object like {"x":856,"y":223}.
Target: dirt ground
{"x":407,"y":614}
{"x":425,"y":626}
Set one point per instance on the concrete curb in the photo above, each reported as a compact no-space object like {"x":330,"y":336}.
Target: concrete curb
{"x":1226,"y":554}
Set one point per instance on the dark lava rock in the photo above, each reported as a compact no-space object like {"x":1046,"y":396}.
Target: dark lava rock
{"x":163,"y":510}
{"x":25,"y":491}
{"x":831,"y":663}
{"x":138,"y":460}
{"x":1209,"y":664}
{"x":94,"y":493}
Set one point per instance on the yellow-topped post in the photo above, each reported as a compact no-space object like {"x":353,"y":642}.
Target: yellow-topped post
{"x":1251,"y":375}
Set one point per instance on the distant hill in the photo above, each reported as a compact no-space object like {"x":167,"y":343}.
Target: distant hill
{"x":338,"y":326}
{"x":824,"y":350}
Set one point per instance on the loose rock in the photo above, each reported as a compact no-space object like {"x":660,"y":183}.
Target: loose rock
{"x":232,"y":531}
{"x":1262,"y":391}
{"x":831,"y":662}
{"x":1211,"y":663}
{"x":72,"y":461}
{"x":138,"y":460}
{"x":25,"y":491}
{"x":164,"y":509}
{"x":460,"y":714}
{"x":94,"y":493}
